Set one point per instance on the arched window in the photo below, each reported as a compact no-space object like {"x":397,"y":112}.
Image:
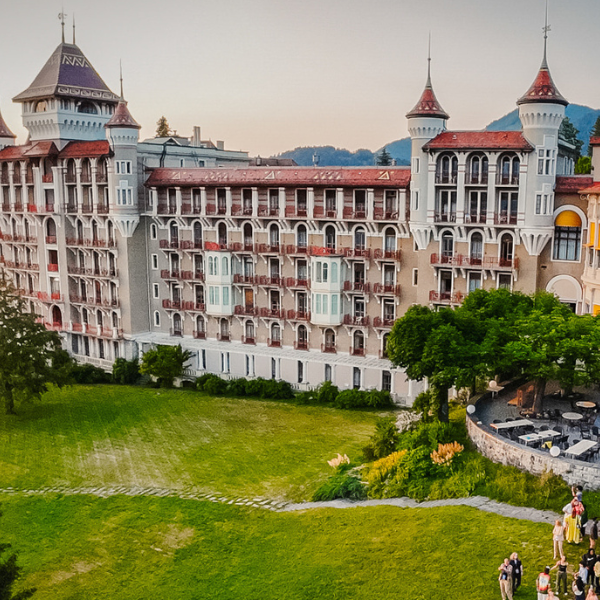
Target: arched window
{"x":275,"y":334}
{"x":356,"y":378}
{"x":248,"y":236}
{"x":274,"y":236}
{"x":200,"y":325}
{"x":79,"y":232}
{"x":249,"y":331}
{"x":99,"y":319}
{"x":447,"y":169}
{"x":50,"y":231}
{"x":222,"y":235}
{"x":330,"y":237}
{"x":567,"y":236}
{"x":41,"y":106}
{"x":506,"y":250}
{"x":156,"y":318}
{"x":94,"y":232}
{"x":301,"y":236}
{"x":153,"y":231}
{"x":390,"y":240}
{"x":225,"y":266}
{"x":302,"y":343}
{"x":87,"y":108}
{"x":359,"y":239}
{"x":329,"y":341}
{"x":334,"y":272}
{"x":447,"y":246}
{"x":476,"y":251}
{"x":174,"y":235}
{"x":358,"y":346}
{"x":224,"y":330}
{"x":477,"y":173}
{"x":508,"y":172}
{"x":177,"y":330}
{"x":56,"y":317}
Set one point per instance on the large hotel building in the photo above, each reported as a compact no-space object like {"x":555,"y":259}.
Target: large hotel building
{"x":273,"y":270}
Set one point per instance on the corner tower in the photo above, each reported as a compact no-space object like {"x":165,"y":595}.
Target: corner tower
{"x":425,"y":121}
{"x":67,"y":100}
{"x":541,"y":111}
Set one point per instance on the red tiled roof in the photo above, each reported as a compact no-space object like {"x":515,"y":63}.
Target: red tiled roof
{"x":5,"y":132}
{"x":122,"y":117}
{"x":543,"y":89}
{"x":595,"y":141}
{"x":31,"y":150}
{"x":428,"y":106}
{"x":270,"y":177}
{"x":572,"y":184}
{"x":479,"y":140}
{"x":592,"y":189}
{"x":85,"y":149}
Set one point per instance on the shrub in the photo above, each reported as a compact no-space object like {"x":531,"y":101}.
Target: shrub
{"x":126,"y":372}
{"x":270,"y":389}
{"x":383,"y":441}
{"x":308,"y":397}
{"x":200,"y":381}
{"x":215,"y":386}
{"x":326,"y":393}
{"x":90,"y":374}
{"x":254,"y":387}
{"x":445,"y":453}
{"x":236,"y":387}
{"x":343,"y":484}
{"x":359,"y":399}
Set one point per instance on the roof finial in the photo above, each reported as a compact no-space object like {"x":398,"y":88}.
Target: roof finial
{"x":545,"y":29}
{"x":61,"y":16}
{"x":121,"y":77}
{"x":428,"y":84}
{"x":73,"y":29}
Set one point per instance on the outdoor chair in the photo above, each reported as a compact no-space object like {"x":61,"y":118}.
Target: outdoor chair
{"x":509,"y":419}
{"x":544,"y":428}
{"x":595,"y":431}
{"x":495,"y":421}
{"x":556,"y":414}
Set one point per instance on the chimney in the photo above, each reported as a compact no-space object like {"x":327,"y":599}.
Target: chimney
{"x":196,"y":136}
{"x":315,"y":159}
{"x":220,"y":145}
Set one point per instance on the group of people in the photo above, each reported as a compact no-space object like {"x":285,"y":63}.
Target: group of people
{"x":572,"y":529}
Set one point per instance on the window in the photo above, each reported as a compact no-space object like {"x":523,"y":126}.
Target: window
{"x":327,"y":375}
{"x":318,"y":304}
{"x":123,"y":167}
{"x":325,"y":272}
{"x":386,"y":381}
{"x":153,"y":231}
{"x":334,"y":304}
{"x":334,"y":273}
{"x":543,"y":204}
{"x":155,"y":261}
{"x":476,"y":251}
{"x":213,"y":294}
{"x":203,"y":359}
{"x":225,"y":268}
{"x":415,"y":277}
{"x":415,"y":202}
{"x":225,"y":362}
{"x":124,"y":194}
{"x":300,"y":371}
{"x":505,"y":281}
{"x":156,"y":318}
{"x":477,"y":211}
{"x":474,"y":281}
{"x":545,"y":162}
{"x":155,"y":290}
{"x":330,"y":201}
{"x":226,"y":296}
{"x":415,"y":165}
{"x":273,"y":368}
{"x":356,"y":377}
{"x":325,"y":302}
{"x":447,"y":245}
{"x":566,"y":243}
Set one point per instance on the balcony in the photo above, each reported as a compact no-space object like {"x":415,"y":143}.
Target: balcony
{"x":383,"y":323}
{"x":359,"y":287}
{"x":291,"y":249}
{"x":298,"y":315}
{"x":325,"y":251}
{"x":325,"y":213}
{"x":274,"y":343}
{"x":382,"y":254}
{"x":169,"y":244}
{"x":170,"y":274}
{"x":171,"y":304}
{"x":50,"y":239}
{"x":272,"y":313}
{"x":268,"y":211}
{"x":77,"y":327}
{"x":474,"y":218}
{"x":270,"y":249}
{"x":446,"y":178}
{"x":166,"y":209}
{"x":504,"y":179}
{"x":199,"y":335}
{"x":18,"y":207}
{"x":194,"y":306}
{"x":248,"y":310}
{"x":296,"y":211}
{"x":444,"y":217}
{"x":505,"y":219}
{"x":223,"y":337}
{"x":356,"y":351}
{"x":101,"y":177}
{"x":189,"y":244}
{"x":476,"y":178}
{"x":53,"y":267}
{"x":273,"y":281}
{"x":87,"y":209}
{"x":86,"y":177}
{"x":176,"y":332}
{"x":387,"y":289}
{"x":379,"y":214}
{"x":357,"y":253}
{"x":32,"y":208}
{"x":328,"y":348}
{"x":48,"y":178}
{"x":445,"y":297}
{"x":291,"y":283}
{"x":249,"y":340}
{"x":49,"y":208}
{"x":301,"y":345}
{"x":102,"y":209}
{"x":245,"y":279}
{"x":360,"y":212}
{"x":70,"y":178}
{"x":356,"y":321}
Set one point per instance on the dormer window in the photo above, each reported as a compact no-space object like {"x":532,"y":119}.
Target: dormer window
{"x":41,"y":106}
{"x":508,"y":171}
{"x":478,"y":170}
{"x":88,"y":108}
{"x":447,"y":169}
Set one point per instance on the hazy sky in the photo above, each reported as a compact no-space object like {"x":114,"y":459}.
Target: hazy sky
{"x":267,"y":75}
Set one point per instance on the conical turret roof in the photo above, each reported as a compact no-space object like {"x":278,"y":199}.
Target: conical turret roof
{"x":543,"y":89}
{"x":5,"y":132}
{"x":428,"y":105}
{"x":122,"y":117}
{"x":67,"y":73}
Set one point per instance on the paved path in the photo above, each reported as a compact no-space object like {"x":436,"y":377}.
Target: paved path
{"x":479,"y":502}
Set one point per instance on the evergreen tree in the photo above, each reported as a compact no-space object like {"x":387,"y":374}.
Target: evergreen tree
{"x":568,"y":132}
{"x":594,"y":133}
{"x":162,"y":127}
{"x":166,"y":363}
{"x":384,"y":158}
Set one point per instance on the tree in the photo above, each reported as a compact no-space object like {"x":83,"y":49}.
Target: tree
{"x":31,"y":357}
{"x":384,"y":158}
{"x":568,"y":132}
{"x":165,"y":363}
{"x":9,"y":573}
{"x":594,"y":133}
{"x":583,"y":166}
{"x":162,"y":127}
{"x":126,"y":372}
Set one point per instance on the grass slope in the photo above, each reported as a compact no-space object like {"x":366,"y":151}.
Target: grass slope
{"x":146,"y":548}
{"x":110,"y":435}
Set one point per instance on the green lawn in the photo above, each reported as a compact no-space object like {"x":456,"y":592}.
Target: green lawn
{"x":146,"y":548}
{"x":109,"y":435}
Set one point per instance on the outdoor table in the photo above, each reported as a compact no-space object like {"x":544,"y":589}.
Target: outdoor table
{"x":511,"y":424}
{"x":580,"y":447}
{"x":572,"y":416}
{"x":542,"y":435}
{"x":585,"y":404}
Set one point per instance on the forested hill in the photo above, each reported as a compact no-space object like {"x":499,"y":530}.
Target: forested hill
{"x":582,"y":117}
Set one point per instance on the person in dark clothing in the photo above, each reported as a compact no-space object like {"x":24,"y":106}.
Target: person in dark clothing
{"x":517,"y":570}
{"x":589,"y":560}
{"x":561,"y":576}
{"x":593,"y":528}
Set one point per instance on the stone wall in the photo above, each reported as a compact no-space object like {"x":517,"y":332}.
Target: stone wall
{"x":504,"y":451}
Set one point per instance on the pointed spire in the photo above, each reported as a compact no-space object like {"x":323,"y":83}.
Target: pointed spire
{"x":5,"y":132}
{"x":61,"y":16}
{"x":121,"y":78}
{"x":73,"y":29}
{"x":122,"y":117}
{"x":543,"y":88}
{"x":428,"y":106}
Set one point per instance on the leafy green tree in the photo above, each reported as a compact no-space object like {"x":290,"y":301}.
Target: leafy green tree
{"x":384,"y":158}
{"x":126,"y":372}
{"x":162,"y":128}
{"x":568,"y":132}
{"x":10,"y":572}
{"x":31,"y":357}
{"x":166,"y":363}
{"x":583,"y":166}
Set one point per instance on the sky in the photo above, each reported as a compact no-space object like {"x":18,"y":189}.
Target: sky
{"x":267,"y":76}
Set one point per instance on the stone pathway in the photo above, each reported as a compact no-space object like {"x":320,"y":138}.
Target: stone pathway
{"x":479,"y":502}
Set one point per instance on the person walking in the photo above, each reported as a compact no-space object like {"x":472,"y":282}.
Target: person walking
{"x":589,"y":562}
{"x":517,"y":571}
{"x":542,"y":584}
{"x":592,"y":595}
{"x":505,"y":579}
{"x":593,"y":528}
{"x":558,"y":537}
{"x":561,"y":574}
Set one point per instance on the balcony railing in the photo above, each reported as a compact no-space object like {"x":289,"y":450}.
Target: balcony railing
{"x":268,"y":211}
{"x":249,"y":340}
{"x":166,"y":209}
{"x":171,"y":304}
{"x":328,"y":348}
{"x":355,"y":213}
{"x":322,"y":212}
{"x":273,"y":281}
{"x":292,"y":249}
{"x":176,"y":332}
{"x":301,"y":345}
{"x":200,"y":335}
{"x":293,"y":211}
{"x":325,"y":251}
{"x":53,"y":267}
{"x":274,"y":343}
{"x":50,"y":239}
{"x":248,"y":310}
{"x":379,"y":322}
{"x":102,"y":209}
{"x":356,"y":351}
{"x":357,"y":252}
{"x":298,"y":315}
{"x":485,"y":262}
{"x":272,"y":313}
{"x":384,"y":215}
{"x":47,"y":178}
{"x":476,"y":178}
{"x":270,"y":249}
{"x":194,"y":306}
{"x":32,"y":208}
{"x":356,"y":321}
{"x":444,"y":217}
{"x":445,"y":297}
{"x":245,"y":279}
{"x":173,"y":244}
{"x":223,"y":337}
{"x":292,"y":282}
{"x":503,"y":179}
{"x":190,"y":245}
{"x":387,"y":289}
{"x":446,"y":178}
{"x":360,"y":287}
{"x":475,"y":218}
{"x":505,"y":219}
